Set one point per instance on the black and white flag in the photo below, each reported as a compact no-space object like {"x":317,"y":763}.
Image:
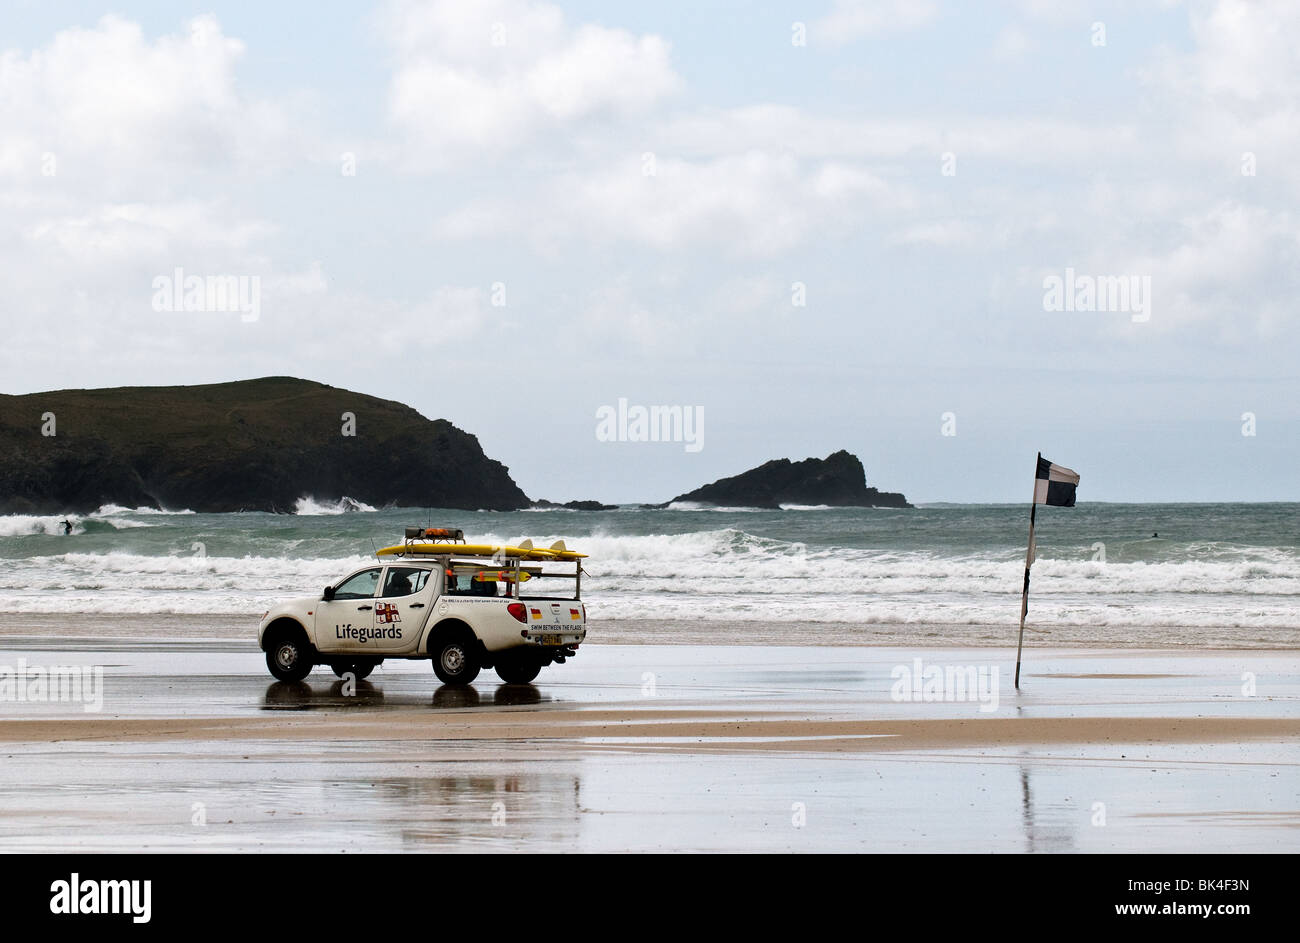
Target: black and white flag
{"x":1055,"y":484}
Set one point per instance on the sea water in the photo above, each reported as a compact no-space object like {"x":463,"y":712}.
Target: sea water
{"x":1148,"y":567}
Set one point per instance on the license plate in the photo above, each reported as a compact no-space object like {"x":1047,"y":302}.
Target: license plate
{"x":549,"y":639}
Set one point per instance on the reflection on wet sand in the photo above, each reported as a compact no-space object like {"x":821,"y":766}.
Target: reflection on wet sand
{"x":465,"y":809}
{"x":1041,"y":832}
{"x":303,"y":696}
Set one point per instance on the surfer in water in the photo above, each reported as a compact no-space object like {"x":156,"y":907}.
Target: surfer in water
{"x":67,"y":527}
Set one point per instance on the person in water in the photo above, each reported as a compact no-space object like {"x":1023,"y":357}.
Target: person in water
{"x":67,"y":527}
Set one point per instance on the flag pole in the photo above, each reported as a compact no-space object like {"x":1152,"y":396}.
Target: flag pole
{"x":1029,"y":559}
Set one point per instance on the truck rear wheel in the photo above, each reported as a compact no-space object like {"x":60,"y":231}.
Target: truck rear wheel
{"x":454,"y":661}
{"x":517,"y":669}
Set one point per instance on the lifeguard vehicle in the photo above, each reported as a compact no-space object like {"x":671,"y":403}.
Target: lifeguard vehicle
{"x":463,"y":606}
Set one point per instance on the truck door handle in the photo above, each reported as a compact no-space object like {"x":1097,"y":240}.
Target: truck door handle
{"x":417,"y":605}
{"x":363,"y":608}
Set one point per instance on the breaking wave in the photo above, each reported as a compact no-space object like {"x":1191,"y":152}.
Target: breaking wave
{"x":723,"y":575}
{"x":23,"y":525}
{"x":310,"y":507}
{"x":113,"y":510}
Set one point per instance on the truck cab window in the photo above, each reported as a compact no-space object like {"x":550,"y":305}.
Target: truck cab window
{"x":361,"y":586}
{"x":404,"y":581}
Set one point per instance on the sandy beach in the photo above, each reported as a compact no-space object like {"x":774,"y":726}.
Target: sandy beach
{"x":224,"y":630}
{"x":654,"y":748}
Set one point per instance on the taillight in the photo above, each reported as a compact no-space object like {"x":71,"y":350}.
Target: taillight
{"x":518,"y":610}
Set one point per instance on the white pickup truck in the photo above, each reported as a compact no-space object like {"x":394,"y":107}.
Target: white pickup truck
{"x":463,"y":606}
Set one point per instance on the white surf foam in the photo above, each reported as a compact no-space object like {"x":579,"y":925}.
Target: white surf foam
{"x":697,"y":506}
{"x":310,"y":507}
{"x":114,"y":510}
{"x":24,"y":525}
{"x":723,"y":575}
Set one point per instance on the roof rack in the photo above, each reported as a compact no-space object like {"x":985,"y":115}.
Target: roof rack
{"x":450,"y":534}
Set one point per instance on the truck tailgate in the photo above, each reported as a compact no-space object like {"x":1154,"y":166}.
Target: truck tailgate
{"x":565,"y":615}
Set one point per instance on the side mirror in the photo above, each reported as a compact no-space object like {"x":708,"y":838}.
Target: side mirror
{"x":328,"y":594}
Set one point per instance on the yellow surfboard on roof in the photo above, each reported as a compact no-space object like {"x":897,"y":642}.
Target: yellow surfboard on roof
{"x":525,"y":551}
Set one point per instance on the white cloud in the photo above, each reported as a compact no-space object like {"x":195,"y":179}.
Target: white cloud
{"x":616,"y":318}
{"x":851,"y":20}
{"x":756,"y":203}
{"x":751,"y":295}
{"x":477,"y":80}
{"x":448,"y":313}
{"x":942,"y":232}
{"x":1222,"y":274}
{"x":1058,"y":11}
{"x":1238,"y":89}
{"x":310,"y":281}
{"x":117,"y":231}
{"x":1012,"y":42}
{"x":109,"y":99}
{"x":1233,"y":266}
{"x":808,"y":134}
{"x":1244,"y":50}
{"x":119,"y":161}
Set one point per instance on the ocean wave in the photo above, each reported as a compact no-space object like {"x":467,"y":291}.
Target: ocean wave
{"x":114,"y":510}
{"x":310,"y":507}
{"x":712,"y":573}
{"x":24,"y":525}
{"x":723,"y":575}
{"x":234,"y":597}
{"x":699,"y":506}
{"x":729,"y":553}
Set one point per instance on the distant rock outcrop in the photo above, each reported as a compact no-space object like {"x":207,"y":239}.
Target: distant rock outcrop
{"x":256,"y":445}
{"x":574,"y":505}
{"x":837,"y":480}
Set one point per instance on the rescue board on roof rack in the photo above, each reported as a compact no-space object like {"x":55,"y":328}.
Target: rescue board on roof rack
{"x":556,"y":552}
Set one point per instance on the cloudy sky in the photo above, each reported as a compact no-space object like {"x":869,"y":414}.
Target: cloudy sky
{"x":817,"y":225}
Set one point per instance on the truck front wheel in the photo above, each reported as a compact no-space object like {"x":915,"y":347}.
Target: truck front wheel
{"x":289,"y":659}
{"x":454,"y":661}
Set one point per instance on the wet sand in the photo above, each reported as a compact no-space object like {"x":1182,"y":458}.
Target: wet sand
{"x":238,"y":632}
{"x":658,"y":748}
